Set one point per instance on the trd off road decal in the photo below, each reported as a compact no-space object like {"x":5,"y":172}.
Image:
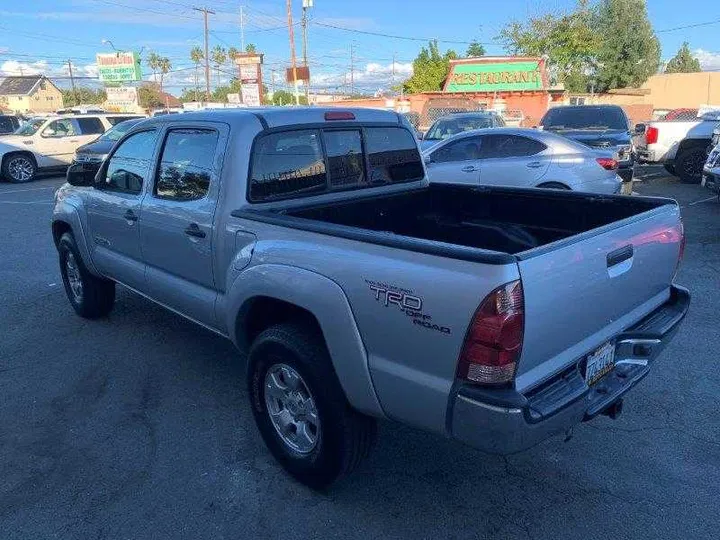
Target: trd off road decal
{"x":407,"y":302}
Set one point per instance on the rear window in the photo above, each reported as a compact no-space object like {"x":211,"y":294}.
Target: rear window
{"x":311,"y":161}
{"x":90,"y":126}
{"x":585,"y":118}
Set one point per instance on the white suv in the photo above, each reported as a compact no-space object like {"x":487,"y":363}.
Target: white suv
{"x":50,"y":142}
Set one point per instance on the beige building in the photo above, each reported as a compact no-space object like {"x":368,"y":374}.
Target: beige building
{"x":30,"y":94}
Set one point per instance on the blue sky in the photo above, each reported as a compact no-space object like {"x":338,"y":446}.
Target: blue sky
{"x":39,"y":35}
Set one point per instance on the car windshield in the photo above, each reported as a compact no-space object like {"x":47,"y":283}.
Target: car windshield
{"x":447,"y":127}
{"x":116,"y":132}
{"x":30,"y":128}
{"x":589,"y":118}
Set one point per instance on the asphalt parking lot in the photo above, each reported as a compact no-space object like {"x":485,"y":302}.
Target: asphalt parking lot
{"x":137,"y":427}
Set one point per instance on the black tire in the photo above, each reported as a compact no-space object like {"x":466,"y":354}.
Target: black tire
{"x":97,"y":295}
{"x":670,"y":168}
{"x":553,"y":185}
{"x":343,"y":436}
{"x":19,"y":168}
{"x":689,"y":164}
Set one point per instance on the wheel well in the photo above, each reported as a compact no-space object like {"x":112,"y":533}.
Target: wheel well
{"x":262,"y":312}
{"x":25,"y":153}
{"x":549,"y":184}
{"x":58,"y":229}
{"x":687,"y":144}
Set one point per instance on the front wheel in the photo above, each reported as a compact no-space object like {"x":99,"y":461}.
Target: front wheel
{"x":91,"y":297}
{"x":301,"y":409}
{"x":19,"y":168}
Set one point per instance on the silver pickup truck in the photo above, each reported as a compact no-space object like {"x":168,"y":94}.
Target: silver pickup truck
{"x":312,"y":239}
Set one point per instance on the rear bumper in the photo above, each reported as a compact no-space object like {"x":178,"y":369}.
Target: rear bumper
{"x":503,"y":421}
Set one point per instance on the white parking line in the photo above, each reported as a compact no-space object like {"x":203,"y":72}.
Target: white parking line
{"x":25,"y":190}
{"x":26,"y":202}
{"x":702,"y":200}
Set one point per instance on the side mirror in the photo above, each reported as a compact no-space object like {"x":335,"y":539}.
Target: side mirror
{"x":81,"y":174}
{"x":420,"y":135}
{"x":639,"y":129}
{"x":428,"y":160}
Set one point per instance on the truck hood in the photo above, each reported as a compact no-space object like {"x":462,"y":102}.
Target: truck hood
{"x":605,"y":138}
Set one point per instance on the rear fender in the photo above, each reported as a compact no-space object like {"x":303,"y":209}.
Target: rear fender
{"x":327,"y":302}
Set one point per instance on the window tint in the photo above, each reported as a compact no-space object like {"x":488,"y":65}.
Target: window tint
{"x":186,"y":164}
{"x":7,"y":125}
{"x":393,"y":155}
{"x":465,"y":149}
{"x":91,"y":126}
{"x":447,"y":127}
{"x":585,"y":117}
{"x":113,"y":120}
{"x":129,"y":166}
{"x":500,"y":146}
{"x":345,"y":158}
{"x":285,"y":164}
{"x":59,"y":128}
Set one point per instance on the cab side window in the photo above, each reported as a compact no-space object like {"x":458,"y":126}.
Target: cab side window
{"x":130,"y":164}
{"x":186,"y":164}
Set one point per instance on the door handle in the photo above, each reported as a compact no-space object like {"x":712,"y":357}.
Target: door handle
{"x":130,"y":216}
{"x":534,"y":165}
{"x":469,"y":168}
{"x":620,"y":255}
{"x":194,"y":230}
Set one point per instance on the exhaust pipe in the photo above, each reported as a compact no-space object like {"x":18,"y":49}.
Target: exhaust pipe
{"x":613,"y":410}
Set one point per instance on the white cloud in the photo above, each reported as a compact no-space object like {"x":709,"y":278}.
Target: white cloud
{"x":709,"y":61}
{"x":13,"y":67}
{"x":374,"y":76}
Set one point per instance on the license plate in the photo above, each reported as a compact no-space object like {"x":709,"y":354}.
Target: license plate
{"x":600,"y":363}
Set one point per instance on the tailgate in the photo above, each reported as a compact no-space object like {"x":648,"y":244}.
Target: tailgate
{"x":582,"y":291}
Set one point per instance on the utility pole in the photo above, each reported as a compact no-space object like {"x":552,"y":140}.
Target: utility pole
{"x":205,"y":12}
{"x":292,"y":51}
{"x":305,"y":5}
{"x":72,"y":83}
{"x":242,"y":29}
{"x":272,"y":81}
{"x":352,"y":70}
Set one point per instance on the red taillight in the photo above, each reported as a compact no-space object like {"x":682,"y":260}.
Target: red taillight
{"x":681,"y":251}
{"x":339,"y":115}
{"x":651,"y":135}
{"x":609,"y":164}
{"x":494,"y":340}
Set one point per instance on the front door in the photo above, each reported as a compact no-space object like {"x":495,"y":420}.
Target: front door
{"x":115,"y":213}
{"x":513,"y":160}
{"x":456,"y":162}
{"x":55,"y":147}
{"x":178,"y":215}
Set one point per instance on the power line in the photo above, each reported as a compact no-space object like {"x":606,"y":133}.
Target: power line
{"x":146,"y":10}
{"x":707,"y":23}
{"x":408,"y":38}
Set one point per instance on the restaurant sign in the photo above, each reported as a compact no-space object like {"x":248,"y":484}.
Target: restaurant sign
{"x":495,"y":77}
{"x":119,"y":67}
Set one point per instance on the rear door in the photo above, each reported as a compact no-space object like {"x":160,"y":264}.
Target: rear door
{"x":513,"y":160}
{"x":178,"y":213}
{"x":456,"y":162}
{"x":582,"y":291}
{"x":90,"y":128}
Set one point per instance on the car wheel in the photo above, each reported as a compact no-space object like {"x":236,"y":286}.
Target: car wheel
{"x":553,"y":185}
{"x":689,"y":164}
{"x":19,"y":168}
{"x":91,"y":297}
{"x":300,"y":408}
{"x":669,"y":168}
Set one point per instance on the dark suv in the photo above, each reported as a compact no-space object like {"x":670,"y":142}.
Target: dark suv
{"x":8,"y":124}
{"x":605,"y":127}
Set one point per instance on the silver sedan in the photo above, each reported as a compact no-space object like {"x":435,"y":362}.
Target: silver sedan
{"x":521,"y":158}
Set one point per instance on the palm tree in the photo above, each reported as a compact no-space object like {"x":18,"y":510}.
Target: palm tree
{"x":219,"y":56}
{"x":153,"y":62}
{"x":232,"y":53}
{"x":250,"y":48}
{"x":164,"y":66}
{"x":197,"y":56}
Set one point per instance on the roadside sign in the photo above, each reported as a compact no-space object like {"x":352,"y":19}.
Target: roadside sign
{"x":251,"y":94}
{"x":233,"y":98}
{"x":119,"y":67}
{"x":122,"y":98}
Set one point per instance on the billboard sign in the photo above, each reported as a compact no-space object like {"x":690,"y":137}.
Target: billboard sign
{"x":251,"y":94}
{"x":122,"y":98}
{"x":495,"y":76}
{"x":119,"y":67}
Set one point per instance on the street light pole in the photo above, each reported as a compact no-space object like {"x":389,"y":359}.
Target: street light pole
{"x":305,"y":5}
{"x":205,"y":12}
{"x":293,"y":61}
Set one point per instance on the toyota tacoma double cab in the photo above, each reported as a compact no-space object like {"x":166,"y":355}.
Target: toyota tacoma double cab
{"x":311,"y":238}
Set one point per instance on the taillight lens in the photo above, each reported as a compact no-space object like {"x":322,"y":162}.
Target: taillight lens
{"x":651,"y":135}
{"x":494,"y":339}
{"x":609,"y":164}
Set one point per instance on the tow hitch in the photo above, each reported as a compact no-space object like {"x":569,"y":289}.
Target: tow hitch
{"x":613,"y":410}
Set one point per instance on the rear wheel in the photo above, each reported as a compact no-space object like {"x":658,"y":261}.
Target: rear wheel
{"x":553,"y":185}
{"x":19,"y":168}
{"x":669,"y":168}
{"x":689,"y":164}
{"x":301,"y":409}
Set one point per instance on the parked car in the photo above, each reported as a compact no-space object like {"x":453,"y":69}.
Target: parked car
{"x":604,"y":127}
{"x":681,"y":114}
{"x":522,"y":158}
{"x":711,"y":171}
{"x":311,"y":238}
{"x":47,"y":143}
{"x":681,"y":146}
{"x":452,"y":124}
{"x":8,"y":123}
{"x":95,"y":151}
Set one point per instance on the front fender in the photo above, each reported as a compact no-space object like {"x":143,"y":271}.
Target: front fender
{"x":66,"y":211}
{"x":327,"y":302}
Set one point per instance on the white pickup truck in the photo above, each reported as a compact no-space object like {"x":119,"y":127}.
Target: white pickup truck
{"x":681,"y":146}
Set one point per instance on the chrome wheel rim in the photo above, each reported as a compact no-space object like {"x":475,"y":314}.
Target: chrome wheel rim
{"x":291,"y":408}
{"x":20,"y":168}
{"x":73,"y":276}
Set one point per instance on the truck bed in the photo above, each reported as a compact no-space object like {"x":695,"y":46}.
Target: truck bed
{"x":502,"y":220}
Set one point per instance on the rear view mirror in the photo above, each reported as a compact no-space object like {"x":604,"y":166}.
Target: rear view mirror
{"x":639,"y":129}
{"x":80,"y":174}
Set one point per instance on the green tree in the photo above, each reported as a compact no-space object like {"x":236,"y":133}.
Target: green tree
{"x":283,"y":97}
{"x":232,"y":52}
{"x":197,"y":56}
{"x":570,"y":41}
{"x":630,"y":51}
{"x":218,"y":55}
{"x":683,"y":61}
{"x":153,"y":62}
{"x":149,"y":97}
{"x":475,"y":49}
{"x":430,"y":69}
{"x":250,"y":48}
{"x":164,"y":66}
{"x":85,"y":96}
